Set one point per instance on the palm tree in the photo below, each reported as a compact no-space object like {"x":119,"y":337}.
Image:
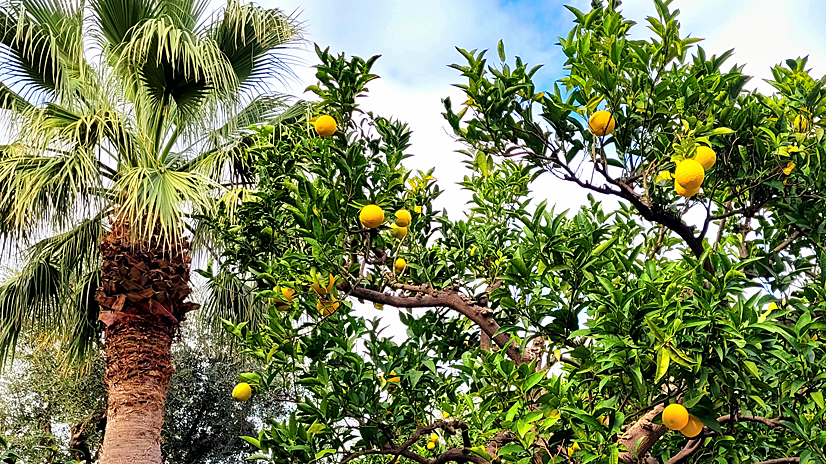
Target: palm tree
{"x":126,"y":123}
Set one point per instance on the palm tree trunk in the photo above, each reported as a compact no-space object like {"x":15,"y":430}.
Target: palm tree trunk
{"x":142,"y":293}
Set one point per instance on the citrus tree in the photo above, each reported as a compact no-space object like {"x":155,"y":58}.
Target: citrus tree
{"x":681,"y":327}
{"x":123,"y":120}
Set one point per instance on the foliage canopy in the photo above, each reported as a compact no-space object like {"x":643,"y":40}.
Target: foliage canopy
{"x":533,"y":335}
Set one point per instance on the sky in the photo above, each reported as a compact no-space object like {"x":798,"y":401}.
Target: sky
{"x":417,"y":42}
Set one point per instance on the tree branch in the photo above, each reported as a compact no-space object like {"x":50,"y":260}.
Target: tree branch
{"x":690,"y":448}
{"x":483,"y":317}
{"x":641,"y":436}
{"x":459,"y":455}
{"x":787,"y":242}
{"x":790,"y":460}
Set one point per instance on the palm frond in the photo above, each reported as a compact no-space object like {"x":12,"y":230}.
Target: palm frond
{"x":51,"y":292}
{"x":80,"y":316}
{"x":158,"y":196}
{"x":114,"y":19}
{"x":226,"y":296}
{"x":254,"y":40}
{"x":29,"y":300}
{"x":12,"y":101}
{"x":41,"y":47}
{"x":36,"y":188}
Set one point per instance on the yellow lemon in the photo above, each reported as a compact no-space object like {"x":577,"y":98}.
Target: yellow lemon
{"x":788,"y":169}
{"x":445,"y":415}
{"x":434,"y":437}
{"x":371,"y":216}
{"x":397,"y":232}
{"x":399,"y":265}
{"x":325,"y":125}
{"x":689,"y":174}
{"x":403,"y":218}
{"x":801,"y":124}
{"x":705,"y":156}
{"x":431,"y":445}
{"x":327,"y":308}
{"x":683,"y":192}
{"x":289,"y":294}
{"x":693,"y":428}
{"x":602,"y":123}
{"x":675,"y":416}
{"x":283,"y":304}
{"x":316,"y":286}
{"x":242,"y":392}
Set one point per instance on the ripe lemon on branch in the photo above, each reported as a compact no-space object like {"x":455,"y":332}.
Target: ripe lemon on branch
{"x":684,"y":192}
{"x":689,"y":174}
{"x":325,"y":125}
{"x":403,"y":218}
{"x":602,"y":123}
{"x":242,"y":392}
{"x":693,"y":428}
{"x":705,"y":156}
{"x":371,"y":216}
{"x":675,"y":416}
{"x":399,"y":265}
{"x":398,"y":232}
{"x":327,"y":307}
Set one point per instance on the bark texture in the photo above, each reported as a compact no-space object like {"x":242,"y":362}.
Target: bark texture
{"x":142,"y":297}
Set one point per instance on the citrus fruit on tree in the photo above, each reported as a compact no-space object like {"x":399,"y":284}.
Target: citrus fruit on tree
{"x":445,"y":415}
{"x":705,"y":156}
{"x":689,"y":174}
{"x":399,"y":265}
{"x":242,"y":391}
{"x":317,"y":287}
{"x":403,"y":218}
{"x":398,"y":232}
{"x":602,"y":123}
{"x":684,"y":192}
{"x":431,"y":445}
{"x":675,"y":416}
{"x":693,"y":428}
{"x":371,"y":216}
{"x":325,"y":125}
{"x":801,"y":124}
{"x":434,"y":437}
{"x":326,"y":307}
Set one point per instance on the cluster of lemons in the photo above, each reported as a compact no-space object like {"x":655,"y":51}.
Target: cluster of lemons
{"x":690,"y":173}
{"x":432,"y":442}
{"x":676,"y":417}
{"x":372,"y":216}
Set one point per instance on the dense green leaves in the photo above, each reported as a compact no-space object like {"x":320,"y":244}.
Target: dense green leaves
{"x":530,"y":334}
